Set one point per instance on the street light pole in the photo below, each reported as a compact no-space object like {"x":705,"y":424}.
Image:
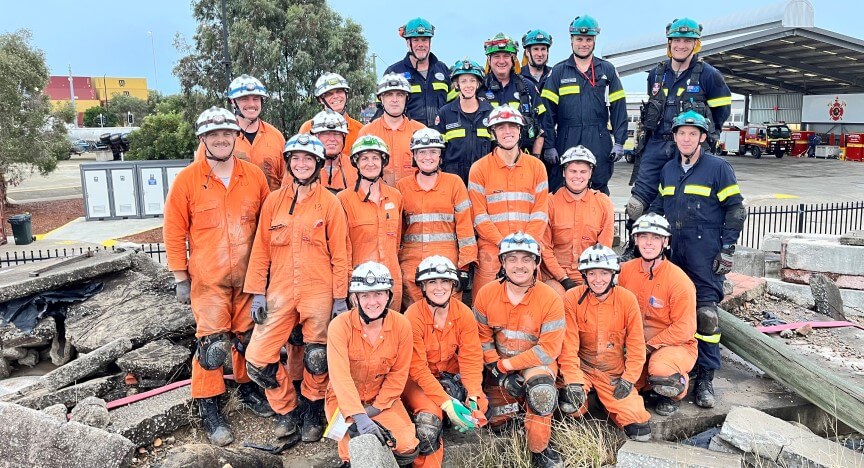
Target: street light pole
{"x":225,"y":57}
{"x":155,"y":72}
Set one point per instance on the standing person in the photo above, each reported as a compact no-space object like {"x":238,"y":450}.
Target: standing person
{"x":428,"y":78}
{"x":369,"y":354}
{"x":437,"y":215}
{"x":461,"y":121}
{"x":535,"y":53}
{"x":521,"y":325}
{"x":214,"y":204}
{"x":508,"y":193}
{"x":579,"y":217}
{"x":331,"y":91}
{"x":684,"y":82}
{"x":260,"y":143}
{"x":374,"y":212}
{"x":297,"y":274}
{"x":447,"y":366}
{"x":703,"y":238}
{"x":584,"y":98}
{"x":667,"y":300}
{"x":604,"y":349}
{"x":331,"y":128}
{"x":394,"y":127}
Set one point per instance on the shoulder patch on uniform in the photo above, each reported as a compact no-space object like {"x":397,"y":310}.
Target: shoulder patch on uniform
{"x":693,"y":88}
{"x":439,"y":76}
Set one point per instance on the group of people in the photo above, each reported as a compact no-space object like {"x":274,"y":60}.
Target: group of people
{"x":334,"y":267}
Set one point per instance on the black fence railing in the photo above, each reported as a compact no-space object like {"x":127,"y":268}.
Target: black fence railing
{"x":155,"y":251}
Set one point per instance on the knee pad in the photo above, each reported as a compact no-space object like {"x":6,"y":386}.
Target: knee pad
{"x":265,"y":377}
{"x":707,"y":320}
{"x":429,"y":428}
{"x":296,"y":336}
{"x":514,"y":385}
{"x":212,"y":350}
{"x":315,"y":358}
{"x":452,"y":384}
{"x":406,"y":459}
{"x":541,"y":394}
{"x":670,"y":386}
{"x":242,"y":343}
{"x":638,"y":431}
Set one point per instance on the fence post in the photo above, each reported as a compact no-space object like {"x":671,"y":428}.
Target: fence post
{"x":801,"y":212}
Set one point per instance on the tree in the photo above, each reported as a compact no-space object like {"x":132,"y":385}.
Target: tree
{"x":91,"y":117}
{"x":175,"y":103}
{"x":162,"y":136}
{"x":287,"y":44}
{"x":29,"y":140}
{"x":120,"y":105}
{"x":65,"y":113}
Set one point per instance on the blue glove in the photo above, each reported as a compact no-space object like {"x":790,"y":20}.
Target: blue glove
{"x":259,"y":308}
{"x":340,"y":305}
{"x":617,"y":153}
{"x":365,"y":425}
{"x":550,"y":156}
{"x":182,"y":289}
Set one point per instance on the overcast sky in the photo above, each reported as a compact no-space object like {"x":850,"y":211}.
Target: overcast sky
{"x":99,"y":37}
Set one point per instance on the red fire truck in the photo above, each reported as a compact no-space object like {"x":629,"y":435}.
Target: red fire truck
{"x":771,"y":138}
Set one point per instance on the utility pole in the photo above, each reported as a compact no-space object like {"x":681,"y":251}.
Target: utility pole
{"x":375,"y":65}
{"x":225,"y":57}
{"x":72,"y":97}
{"x":155,"y":72}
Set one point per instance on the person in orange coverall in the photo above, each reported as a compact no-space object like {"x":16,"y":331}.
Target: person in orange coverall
{"x":331,"y":91}
{"x":604,"y":349}
{"x":394,"y":127}
{"x":214,"y":204}
{"x":521,"y":324}
{"x":508,"y":190}
{"x":369,"y":357}
{"x":298,"y":273}
{"x":260,"y":143}
{"x":436,"y":213}
{"x":374,"y":212}
{"x":447,"y":367}
{"x":332,"y":129}
{"x":667,"y":299}
{"x":579,"y":217}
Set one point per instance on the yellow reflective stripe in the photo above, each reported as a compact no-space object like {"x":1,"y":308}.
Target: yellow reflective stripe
{"x":493,"y":103}
{"x":514,"y":104}
{"x":483,"y":133}
{"x":680,"y":91}
{"x":452,"y":95}
{"x":701,"y":190}
{"x":727,"y":192}
{"x":416,"y":88}
{"x":549,"y":95}
{"x":666,"y":191}
{"x":565,"y":90}
{"x":541,"y":109}
{"x":616,"y":95}
{"x":455,"y":133}
{"x":666,"y":91}
{"x":708,"y":338}
{"x":720,"y":101}
{"x":439,"y":86}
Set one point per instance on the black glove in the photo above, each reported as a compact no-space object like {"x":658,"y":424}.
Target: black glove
{"x":259,"y":308}
{"x":570,"y":398}
{"x":551,"y":156}
{"x":622,"y":388}
{"x":182,"y":289}
{"x":723,"y":261}
{"x":568,"y":283}
{"x":494,"y":375}
{"x":372,"y":411}
{"x":464,"y":280}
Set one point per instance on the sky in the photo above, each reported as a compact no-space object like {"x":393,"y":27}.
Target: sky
{"x":107,"y":37}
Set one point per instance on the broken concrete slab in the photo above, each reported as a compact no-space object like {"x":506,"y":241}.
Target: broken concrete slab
{"x":91,"y":411}
{"x":368,"y":452}
{"x":69,"y":396}
{"x":86,"y":364}
{"x":773,"y":242}
{"x":853,"y":238}
{"x":744,"y":289}
{"x":58,"y":411}
{"x":17,"y":282}
{"x":749,"y":262}
{"x":853,"y":300}
{"x":827,"y":296}
{"x":61,"y":351}
{"x":158,"y":360}
{"x":207,"y":456}
{"x":37,"y":439}
{"x":13,"y":337}
{"x":143,"y":421}
{"x":823,"y":255}
{"x":128,"y":306}
{"x":5,"y":368}
{"x":30,"y":358}
{"x":803,"y":277}
{"x":661,"y":454}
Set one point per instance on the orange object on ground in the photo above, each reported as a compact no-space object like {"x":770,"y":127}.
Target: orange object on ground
{"x":399,"y":143}
{"x":265,"y":152}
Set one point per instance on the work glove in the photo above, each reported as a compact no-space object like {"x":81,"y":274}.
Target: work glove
{"x":495,"y":375}
{"x":617,"y":153}
{"x":365,"y":425}
{"x":570,"y":398}
{"x":477,"y":412}
{"x":459,"y":415}
{"x":464,"y":279}
{"x":551,"y":156}
{"x":183,"y":289}
{"x":372,"y":411}
{"x":259,"y":308}
{"x":340,"y":305}
{"x":634,"y":208}
{"x":568,"y":283}
{"x":723,"y":260}
{"x":622,"y":388}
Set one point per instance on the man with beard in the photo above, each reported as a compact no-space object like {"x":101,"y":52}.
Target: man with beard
{"x":331,"y":91}
{"x":535,"y":54}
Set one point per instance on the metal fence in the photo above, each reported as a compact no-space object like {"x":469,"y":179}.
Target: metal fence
{"x":155,"y":251}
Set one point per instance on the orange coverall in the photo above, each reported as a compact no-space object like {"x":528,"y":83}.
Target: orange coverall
{"x":265,"y":152}
{"x":370,"y":374}
{"x":505,"y":200}
{"x":219,"y":224}
{"x":304,"y":257}
{"x":454,"y":349}
{"x":574,"y":225}
{"x":374,"y":231}
{"x":436,"y":222}
{"x":399,"y":143}
{"x":343,"y":176}
{"x":668,"y":305}
{"x":530,"y":335}
{"x":354,"y":127}
{"x":605,"y":342}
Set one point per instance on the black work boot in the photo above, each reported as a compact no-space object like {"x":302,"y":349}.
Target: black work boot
{"x":214,"y":424}
{"x":640,"y":432}
{"x":548,"y":458}
{"x":252,"y":397}
{"x":313,"y":421}
{"x":666,"y":406}
{"x":705,"y":387}
{"x":286,"y":424}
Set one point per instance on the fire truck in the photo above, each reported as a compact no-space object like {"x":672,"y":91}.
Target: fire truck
{"x":772,"y":138}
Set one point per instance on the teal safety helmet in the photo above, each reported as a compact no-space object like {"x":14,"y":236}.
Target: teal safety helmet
{"x":584,"y":26}
{"x":417,"y":27}
{"x":684,"y":27}
{"x":536,"y":37}
{"x":466,"y":66}
{"x":690,"y":118}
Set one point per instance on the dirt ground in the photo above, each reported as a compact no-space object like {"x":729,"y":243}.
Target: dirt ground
{"x":48,"y":215}
{"x":147,"y":237}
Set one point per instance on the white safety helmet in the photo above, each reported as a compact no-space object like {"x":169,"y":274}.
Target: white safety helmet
{"x":328,"y":82}
{"x":215,"y":118}
{"x":519,"y":242}
{"x":434,"y":267}
{"x":329,"y":120}
{"x":370,"y":276}
{"x":370,"y":143}
{"x":653,"y":223}
{"x":426,"y":138}
{"x":599,"y":256}
{"x":306,"y":143}
{"x":578,"y":153}
{"x":393,"y":81}
{"x":502,"y":114}
{"x":245,"y":85}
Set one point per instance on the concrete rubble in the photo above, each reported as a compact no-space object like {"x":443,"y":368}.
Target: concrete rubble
{"x":91,"y":411}
{"x":368,"y":452}
{"x":855,"y":238}
{"x":158,"y":360}
{"x":69,"y":396}
{"x":207,"y":456}
{"x":143,"y":421}
{"x":826,"y":296}
{"x":659,"y":454}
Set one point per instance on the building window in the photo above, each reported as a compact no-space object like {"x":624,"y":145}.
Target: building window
{"x":122,"y":83}
{"x":125,"y":93}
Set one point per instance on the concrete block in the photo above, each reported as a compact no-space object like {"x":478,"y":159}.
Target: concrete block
{"x":91,"y":411}
{"x":156,"y":360}
{"x":772,"y":265}
{"x":853,"y":238}
{"x":744,"y":289}
{"x":803,"y":277}
{"x":773,"y":242}
{"x":368,"y":452}
{"x":69,"y":396}
{"x":853,"y":300}
{"x":824,"y":256}
{"x":719,"y":445}
{"x":206,"y":456}
{"x":750,"y":262}
{"x":658,"y":454}
{"x":143,"y":421}
{"x":13,"y":337}
{"x":827,"y":296}
{"x":58,"y":411}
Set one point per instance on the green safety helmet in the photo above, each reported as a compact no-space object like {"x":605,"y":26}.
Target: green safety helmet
{"x":536,"y":37}
{"x":684,"y":27}
{"x":690,"y":118}
{"x":466,"y":66}
{"x":370,"y":143}
{"x":417,"y":27}
{"x":500,"y":43}
{"x":584,"y":26}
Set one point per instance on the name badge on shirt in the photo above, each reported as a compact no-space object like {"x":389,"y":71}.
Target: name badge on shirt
{"x":693,"y":88}
{"x":389,"y":206}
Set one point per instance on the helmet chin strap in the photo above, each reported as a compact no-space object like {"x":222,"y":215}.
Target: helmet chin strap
{"x":239,"y":113}
{"x":505,"y":277}
{"x":209,"y":154}
{"x":588,"y":288}
{"x":302,"y":183}
{"x":688,"y":156}
{"x":366,"y":319}
{"x":433,"y":304}
{"x":583,"y":57}
{"x":372,"y":181}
